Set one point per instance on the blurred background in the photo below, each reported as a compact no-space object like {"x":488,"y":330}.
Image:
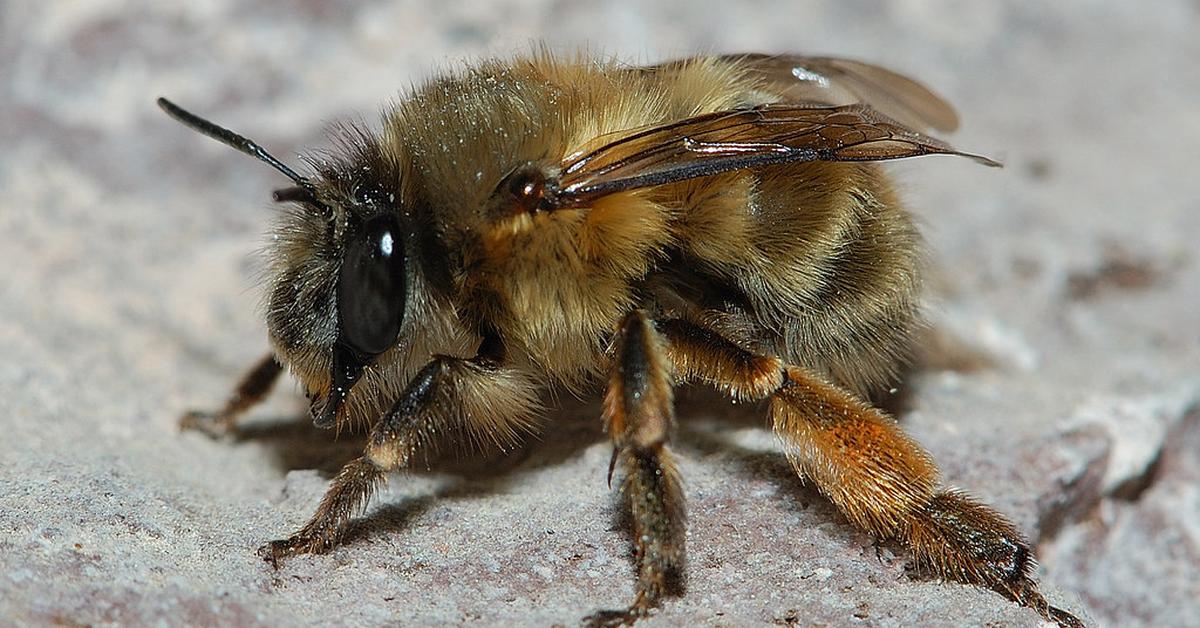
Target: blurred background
{"x":1061,"y":381}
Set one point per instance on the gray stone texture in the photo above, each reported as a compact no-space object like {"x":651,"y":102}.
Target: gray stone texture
{"x":1061,"y":381}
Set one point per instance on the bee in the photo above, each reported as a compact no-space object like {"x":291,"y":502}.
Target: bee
{"x":543,"y":224}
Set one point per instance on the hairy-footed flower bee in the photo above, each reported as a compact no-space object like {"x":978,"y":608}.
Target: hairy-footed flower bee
{"x":546,"y":223}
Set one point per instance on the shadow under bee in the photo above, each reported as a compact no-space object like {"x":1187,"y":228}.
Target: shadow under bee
{"x":568,"y":429}
{"x":295,"y":444}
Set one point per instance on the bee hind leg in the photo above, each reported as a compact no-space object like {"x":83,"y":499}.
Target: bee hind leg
{"x":252,"y":389}
{"x":478,"y":396}
{"x":878,"y":476}
{"x":639,"y":415}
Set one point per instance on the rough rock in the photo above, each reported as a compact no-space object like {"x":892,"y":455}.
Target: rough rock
{"x":1061,"y":381}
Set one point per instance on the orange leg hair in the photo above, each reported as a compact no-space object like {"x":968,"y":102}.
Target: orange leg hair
{"x":477,"y":397}
{"x":639,"y":415}
{"x":860,"y":458}
{"x":253,"y":388}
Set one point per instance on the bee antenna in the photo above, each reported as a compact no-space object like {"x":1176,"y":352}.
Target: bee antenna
{"x":233,"y":140}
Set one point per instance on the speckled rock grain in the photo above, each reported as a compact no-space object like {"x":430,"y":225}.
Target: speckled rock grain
{"x":1069,"y":280}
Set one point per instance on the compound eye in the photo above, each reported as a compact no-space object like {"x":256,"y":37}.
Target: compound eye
{"x":371,"y":290}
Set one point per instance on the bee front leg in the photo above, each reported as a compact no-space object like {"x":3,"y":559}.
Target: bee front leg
{"x":878,"y":476}
{"x":483,"y":399}
{"x":639,"y":415}
{"x":253,"y":388}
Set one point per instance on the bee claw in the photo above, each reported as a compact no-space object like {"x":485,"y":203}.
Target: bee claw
{"x":612,"y":465}
{"x":1063,"y":618}
{"x":274,"y":551}
{"x":215,"y":425}
{"x":615,"y":618}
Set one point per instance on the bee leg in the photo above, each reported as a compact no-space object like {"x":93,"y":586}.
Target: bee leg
{"x":878,"y":476}
{"x":484,"y":400}
{"x":252,"y":388}
{"x":639,"y":415}
{"x":955,"y":537}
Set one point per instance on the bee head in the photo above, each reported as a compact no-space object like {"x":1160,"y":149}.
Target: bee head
{"x":339,"y":276}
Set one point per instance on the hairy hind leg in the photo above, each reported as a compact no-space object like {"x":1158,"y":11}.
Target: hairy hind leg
{"x":252,"y":389}
{"x":639,"y":415}
{"x":877,"y":475}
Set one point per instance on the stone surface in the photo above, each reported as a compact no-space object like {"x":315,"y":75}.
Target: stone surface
{"x":1062,"y":381}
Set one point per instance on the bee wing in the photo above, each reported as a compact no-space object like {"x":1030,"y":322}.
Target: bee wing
{"x":834,"y":81}
{"x":738,"y":139}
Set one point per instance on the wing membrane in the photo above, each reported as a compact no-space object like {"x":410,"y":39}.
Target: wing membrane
{"x":743,"y":138}
{"x":834,"y":81}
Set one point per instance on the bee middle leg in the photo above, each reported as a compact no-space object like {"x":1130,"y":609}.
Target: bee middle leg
{"x":252,"y":389}
{"x":639,"y":415}
{"x":476,"y":397}
{"x":878,"y":476}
